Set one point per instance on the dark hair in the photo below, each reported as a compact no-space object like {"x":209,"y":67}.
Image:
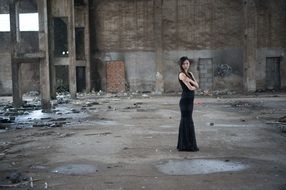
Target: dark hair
{"x":182,"y":60}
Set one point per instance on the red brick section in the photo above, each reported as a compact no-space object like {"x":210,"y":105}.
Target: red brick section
{"x":115,"y":76}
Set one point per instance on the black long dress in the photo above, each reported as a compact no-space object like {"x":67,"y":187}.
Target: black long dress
{"x":187,"y":138}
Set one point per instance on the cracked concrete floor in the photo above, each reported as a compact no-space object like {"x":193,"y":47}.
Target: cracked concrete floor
{"x":122,"y":143}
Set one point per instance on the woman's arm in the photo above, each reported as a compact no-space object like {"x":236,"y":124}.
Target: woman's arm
{"x":185,"y":79}
{"x":193,"y":82}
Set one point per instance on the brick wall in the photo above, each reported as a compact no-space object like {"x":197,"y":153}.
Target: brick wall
{"x":115,"y":76}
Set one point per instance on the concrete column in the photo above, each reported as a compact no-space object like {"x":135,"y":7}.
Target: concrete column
{"x":71,"y":43}
{"x":250,"y":45}
{"x":87,"y":49}
{"x":44,"y":62}
{"x":159,"y":88}
{"x":16,"y":74}
{"x":51,"y":51}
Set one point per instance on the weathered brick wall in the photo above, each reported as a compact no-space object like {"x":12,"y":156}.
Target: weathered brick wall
{"x":124,"y":25}
{"x":271,"y":24}
{"x":204,"y":24}
{"x":115,"y":76}
{"x":187,"y":24}
{"x":196,"y":28}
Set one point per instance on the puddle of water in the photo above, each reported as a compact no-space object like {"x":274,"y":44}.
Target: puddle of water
{"x":3,"y":130}
{"x":199,"y":166}
{"x":75,"y":169}
{"x":167,"y":126}
{"x":105,"y":122}
{"x":34,"y":115}
{"x":38,"y":115}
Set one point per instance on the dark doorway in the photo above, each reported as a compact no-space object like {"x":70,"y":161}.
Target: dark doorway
{"x":273,"y":73}
{"x":79,"y":2}
{"x":80,"y":79}
{"x":62,"y":78}
{"x":60,"y":37}
{"x":79,"y":44}
{"x":206,"y":74}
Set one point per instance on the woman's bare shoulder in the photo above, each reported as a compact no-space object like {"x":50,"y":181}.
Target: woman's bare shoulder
{"x":182,"y":75}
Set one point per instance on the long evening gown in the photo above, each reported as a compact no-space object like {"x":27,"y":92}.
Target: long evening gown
{"x":187,"y":137}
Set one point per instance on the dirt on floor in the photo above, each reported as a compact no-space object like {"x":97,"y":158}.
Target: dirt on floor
{"x":128,"y":142}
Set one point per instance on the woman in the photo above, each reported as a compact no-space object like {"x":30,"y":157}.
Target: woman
{"x":187,"y":138}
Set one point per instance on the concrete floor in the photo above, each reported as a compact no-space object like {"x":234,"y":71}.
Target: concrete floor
{"x":129,"y":143}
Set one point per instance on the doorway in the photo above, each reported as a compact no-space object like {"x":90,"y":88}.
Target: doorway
{"x":206,"y":74}
{"x":273,"y":73}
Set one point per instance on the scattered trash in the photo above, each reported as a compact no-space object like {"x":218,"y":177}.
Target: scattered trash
{"x":15,"y":177}
{"x":145,"y":96}
{"x":282,"y":119}
{"x":31,"y":182}
{"x":63,"y":98}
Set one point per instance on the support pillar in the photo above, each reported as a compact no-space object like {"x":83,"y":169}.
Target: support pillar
{"x":159,"y":87}
{"x":44,"y":62}
{"x":15,"y":38}
{"x":87,"y":49}
{"x":51,"y":51}
{"x":250,"y":45}
{"x":72,"y":57}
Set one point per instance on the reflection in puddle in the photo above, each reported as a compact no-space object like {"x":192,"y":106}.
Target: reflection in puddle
{"x":199,"y":166}
{"x":75,"y":169}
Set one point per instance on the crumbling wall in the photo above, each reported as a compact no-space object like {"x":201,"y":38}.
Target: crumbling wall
{"x":203,"y":29}
{"x":198,"y":29}
{"x":271,"y":41}
{"x":124,"y":30}
{"x":28,"y":43}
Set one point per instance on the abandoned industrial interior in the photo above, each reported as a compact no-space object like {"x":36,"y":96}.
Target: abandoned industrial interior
{"x":89,"y":94}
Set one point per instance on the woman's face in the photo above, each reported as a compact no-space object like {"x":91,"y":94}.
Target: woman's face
{"x":186,"y":65}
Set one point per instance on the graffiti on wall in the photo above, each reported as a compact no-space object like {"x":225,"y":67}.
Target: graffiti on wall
{"x":223,"y":70}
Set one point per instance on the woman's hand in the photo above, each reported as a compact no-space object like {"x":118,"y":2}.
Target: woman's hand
{"x":183,"y":77}
{"x":193,"y":82}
